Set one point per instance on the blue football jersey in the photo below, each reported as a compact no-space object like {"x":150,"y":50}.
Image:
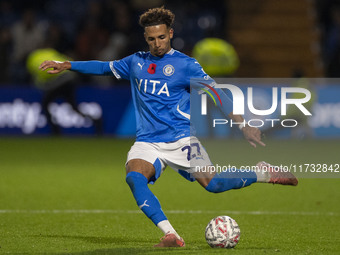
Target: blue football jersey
{"x":160,"y":92}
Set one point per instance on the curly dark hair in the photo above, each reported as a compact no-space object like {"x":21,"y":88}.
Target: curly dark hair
{"x":157,"y":16}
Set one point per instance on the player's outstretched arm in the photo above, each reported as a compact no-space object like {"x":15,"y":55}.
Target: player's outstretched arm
{"x":252,"y":134}
{"x":92,"y":67}
{"x":56,"y":66}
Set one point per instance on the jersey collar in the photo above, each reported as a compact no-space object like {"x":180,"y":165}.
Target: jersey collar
{"x":170,"y":52}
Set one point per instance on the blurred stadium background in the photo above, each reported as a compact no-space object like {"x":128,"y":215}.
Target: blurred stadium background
{"x":262,"y":38}
{"x":67,"y":195}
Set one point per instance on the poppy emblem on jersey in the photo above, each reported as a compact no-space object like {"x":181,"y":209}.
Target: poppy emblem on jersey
{"x":168,"y":70}
{"x":152,"y":68}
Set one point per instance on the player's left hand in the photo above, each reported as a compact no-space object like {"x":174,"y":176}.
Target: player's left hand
{"x":253,"y":136}
{"x":56,"y":66}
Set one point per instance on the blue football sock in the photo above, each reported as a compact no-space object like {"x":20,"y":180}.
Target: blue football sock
{"x":145,"y":199}
{"x":231,"y":179}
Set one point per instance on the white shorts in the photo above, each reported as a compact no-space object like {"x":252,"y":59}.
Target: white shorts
{"x":183,"y":156}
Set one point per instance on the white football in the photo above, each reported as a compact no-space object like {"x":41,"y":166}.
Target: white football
{"x":222,"y":232}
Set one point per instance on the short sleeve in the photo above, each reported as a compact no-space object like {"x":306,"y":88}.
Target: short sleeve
{"x":197,"y":75}
{"x":203,"y":83}
{"x":121,"y":68}
{"x":196,"y":70}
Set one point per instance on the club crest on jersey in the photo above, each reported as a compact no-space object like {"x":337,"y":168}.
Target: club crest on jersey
{"x":168,"y":70}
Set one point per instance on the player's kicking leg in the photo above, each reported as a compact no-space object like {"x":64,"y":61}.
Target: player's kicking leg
{"x":275,"y":175}
{"x":138,"y":175}
{"x":236,"y":179}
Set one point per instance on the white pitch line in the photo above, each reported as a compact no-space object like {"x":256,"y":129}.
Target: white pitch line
{"x":98,"y":211}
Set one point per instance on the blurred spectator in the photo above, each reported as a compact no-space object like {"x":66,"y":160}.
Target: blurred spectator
{"x":332,"y":45}
{"x":57,"y":39}
{"x":53,"y":86}
{"x":56,"y":86}
{"x":66,"y":14}
{"x":217,"y":57}
{"x":92,"y":34}
{"x":27,"y":35}
{"x":90,"y":39}
{"x":7,"y":15}
{"x":115,"y":37}
{"x":95,"y":29}
{"x":5,"y":45}
{"x":118,"y":20}
{"x":197,"y":20}
{"x":141,"y":5}
{"x":329,"y":22}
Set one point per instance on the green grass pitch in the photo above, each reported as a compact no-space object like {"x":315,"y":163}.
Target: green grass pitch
{"x":69,"y":196}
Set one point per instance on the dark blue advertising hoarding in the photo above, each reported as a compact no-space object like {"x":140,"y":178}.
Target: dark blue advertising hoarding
{"x":21,"y":112}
